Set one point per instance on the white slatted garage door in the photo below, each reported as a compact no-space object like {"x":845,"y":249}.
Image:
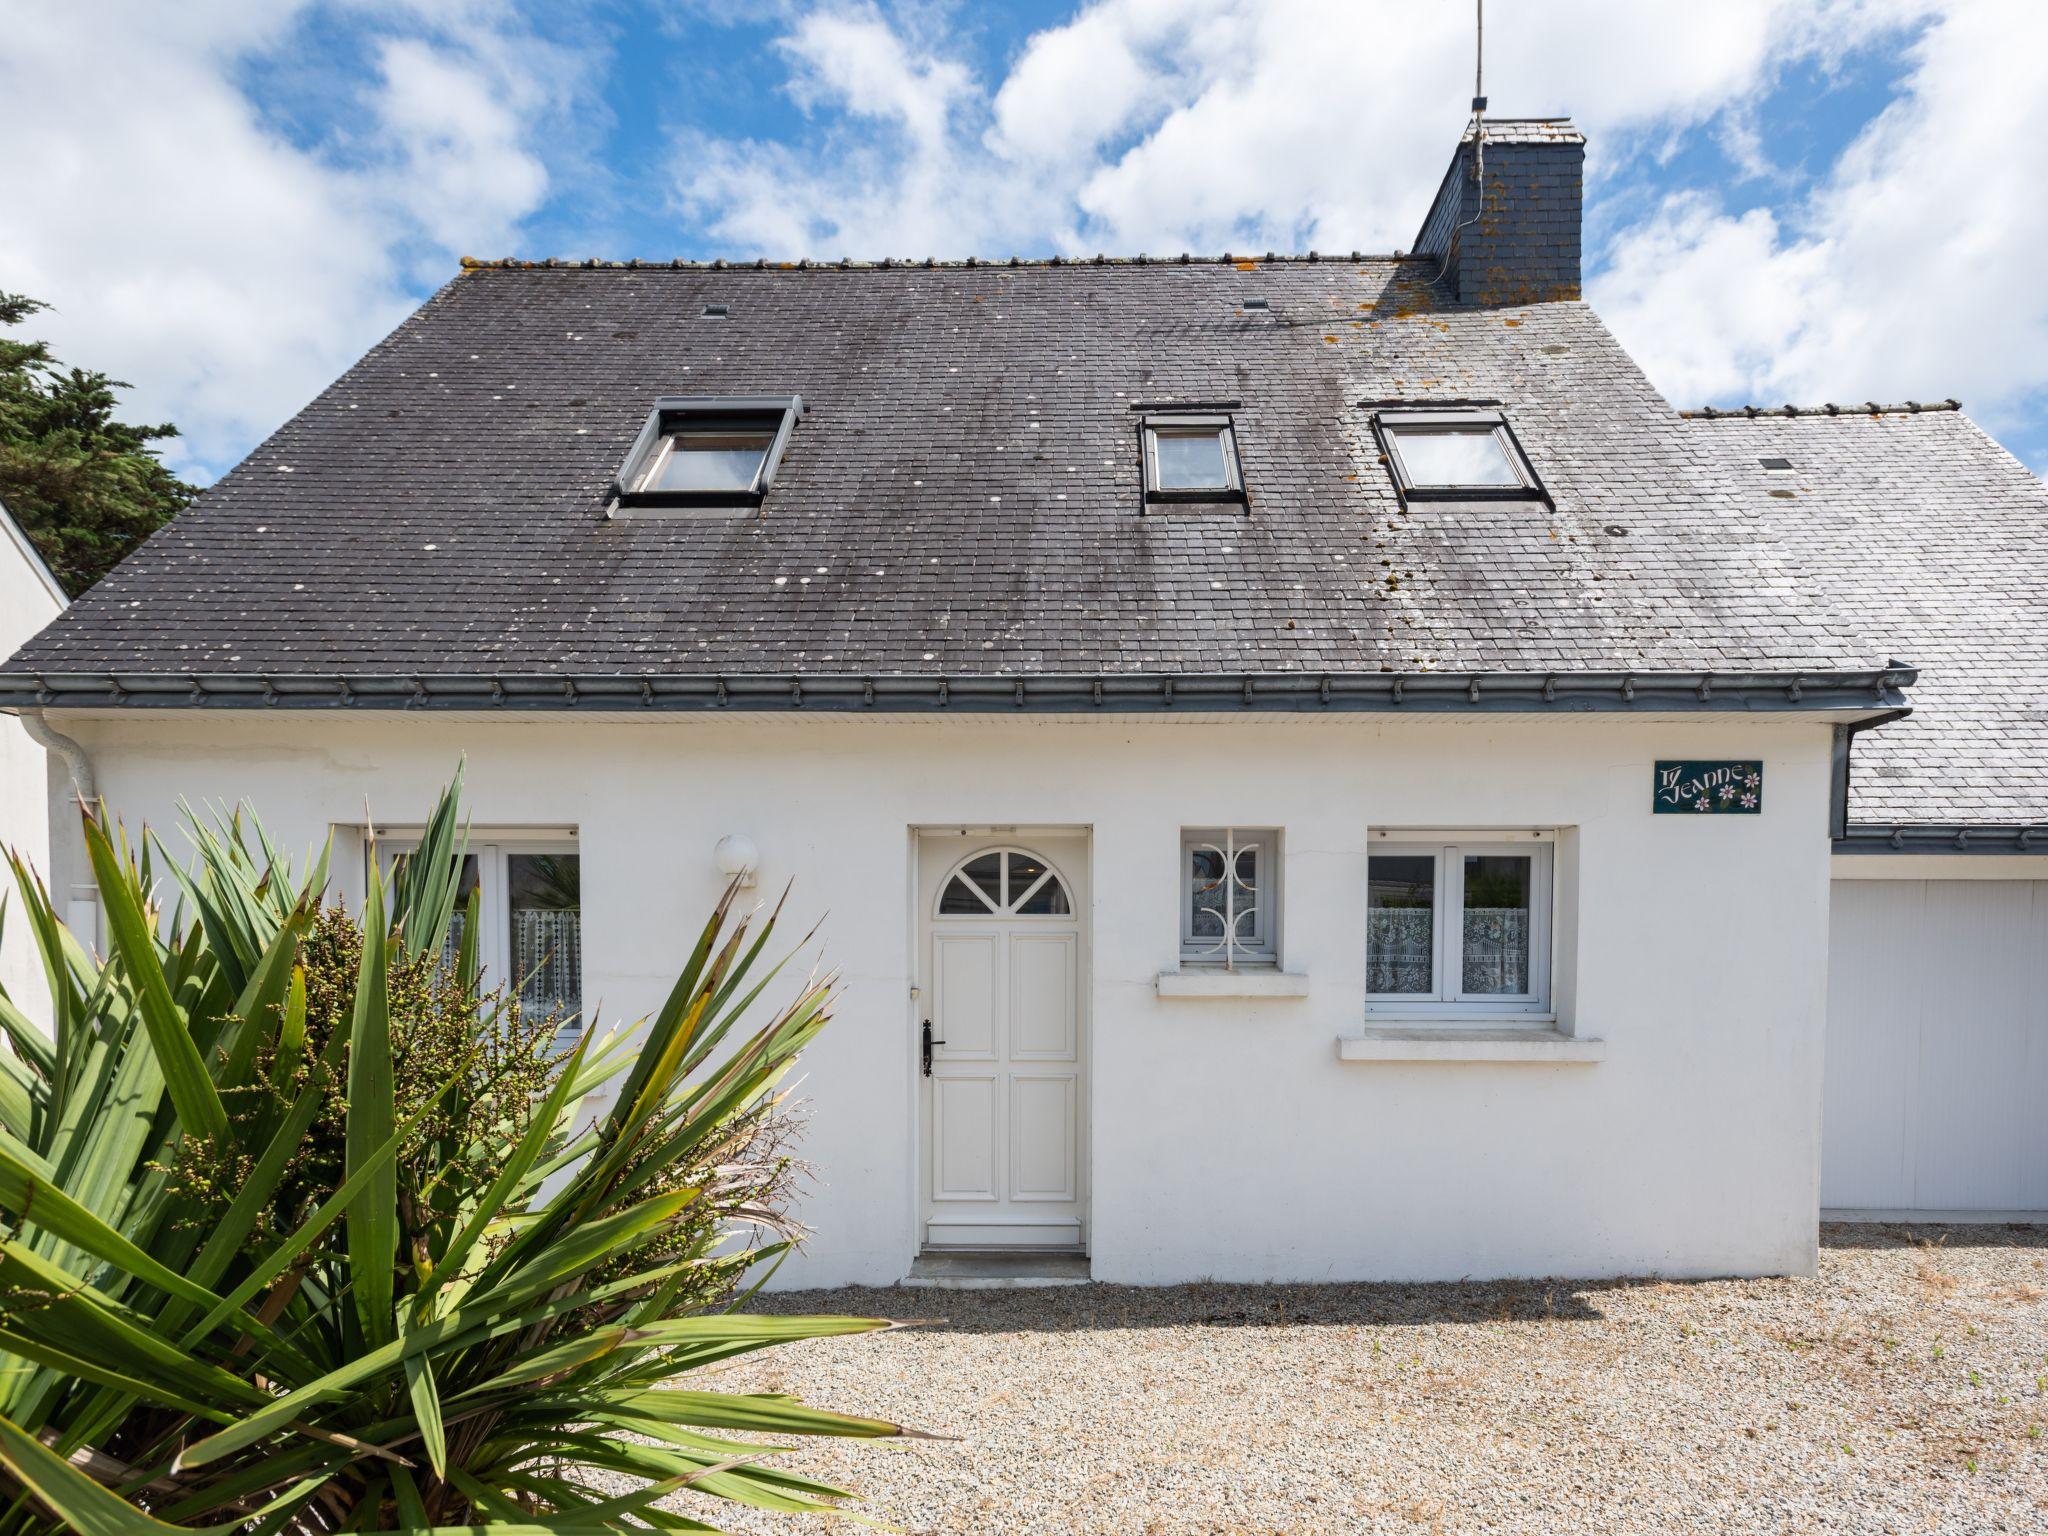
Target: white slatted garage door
{"x":1937,"y":1049}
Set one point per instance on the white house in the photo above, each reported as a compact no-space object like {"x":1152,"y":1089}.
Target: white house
{"x":29,"y":599}
{"x":1311,"y":768}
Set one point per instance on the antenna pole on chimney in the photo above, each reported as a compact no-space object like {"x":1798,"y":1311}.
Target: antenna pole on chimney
{"x":1479,"y":65}
{"x":1478,"y":112}
{"x":1478,"y":144}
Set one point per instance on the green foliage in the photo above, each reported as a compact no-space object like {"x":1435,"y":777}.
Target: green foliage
{"x":85,"y":488}
{"x":460,"y":1058}
{"x":303,"y":1231}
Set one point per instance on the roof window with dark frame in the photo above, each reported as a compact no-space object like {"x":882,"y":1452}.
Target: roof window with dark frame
{"x":1456,"y":455}
{"x":1191,"y":456}
{"x":705,"y":455}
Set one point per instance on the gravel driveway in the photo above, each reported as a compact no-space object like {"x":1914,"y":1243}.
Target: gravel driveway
{"x":1901,"y":1390}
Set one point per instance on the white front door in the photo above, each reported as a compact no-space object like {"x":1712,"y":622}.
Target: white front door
{"x":1002,"y":1091}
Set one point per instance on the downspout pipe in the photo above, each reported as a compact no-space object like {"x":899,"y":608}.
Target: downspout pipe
{"x":44,"y":735}
{"x":69,"y":865}
{"x":1844,"y":750}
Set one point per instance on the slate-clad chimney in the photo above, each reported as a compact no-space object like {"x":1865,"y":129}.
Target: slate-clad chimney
{"x":1519,"y":242}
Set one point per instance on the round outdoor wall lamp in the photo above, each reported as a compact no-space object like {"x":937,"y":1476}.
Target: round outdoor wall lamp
{"x":737,"y":855}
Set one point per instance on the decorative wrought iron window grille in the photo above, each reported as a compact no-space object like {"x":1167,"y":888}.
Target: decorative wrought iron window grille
{"x":1229,"y":897}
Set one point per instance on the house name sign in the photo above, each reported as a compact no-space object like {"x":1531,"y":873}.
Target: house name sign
{"x":1685,"y":787}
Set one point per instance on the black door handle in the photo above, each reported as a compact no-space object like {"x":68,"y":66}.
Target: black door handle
{"x":926,"y":1044}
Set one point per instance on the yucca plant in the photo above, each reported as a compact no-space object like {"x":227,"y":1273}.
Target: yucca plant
{"x":468,"y":1313}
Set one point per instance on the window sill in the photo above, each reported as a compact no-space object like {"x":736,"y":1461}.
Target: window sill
{"x":1455,"y":1044}
{"x":622,"y":509}
{"x":1456,"y":1016}
{"x":1218,"y":983}
{"x":1228,"y":496}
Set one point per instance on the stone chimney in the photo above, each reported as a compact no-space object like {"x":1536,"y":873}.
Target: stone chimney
{"x":1516,"y":240}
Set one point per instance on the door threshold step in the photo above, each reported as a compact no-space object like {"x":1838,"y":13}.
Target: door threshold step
{"x":987,"y":1271}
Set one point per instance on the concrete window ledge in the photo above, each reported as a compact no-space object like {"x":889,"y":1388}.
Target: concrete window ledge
{"x":1204,"y":983}
{"x":1541,"y":1046}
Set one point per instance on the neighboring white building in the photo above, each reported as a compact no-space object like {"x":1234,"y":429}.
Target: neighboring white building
{"x":1917,"y":525}
{"x":29,"y":599}
{"x":1310,"y":769}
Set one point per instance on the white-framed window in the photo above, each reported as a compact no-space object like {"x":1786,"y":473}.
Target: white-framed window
{"x":1455,"y":455}
{"x":1191,"y":458}
{"x":1230,"y":896}
{"x":706,"y":453}
{"x":1459,"y":924}
{"x":530,"y":903}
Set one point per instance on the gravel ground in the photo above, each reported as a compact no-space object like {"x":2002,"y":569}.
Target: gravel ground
{"x":1901,"y":1390}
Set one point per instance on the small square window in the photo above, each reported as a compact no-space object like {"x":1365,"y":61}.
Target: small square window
{"x":1191,"y":458}
{"x":1229,"y":897}
{"x":1455,"y":455}
{"x":707,"y":454}
{"x":1458,"y":927}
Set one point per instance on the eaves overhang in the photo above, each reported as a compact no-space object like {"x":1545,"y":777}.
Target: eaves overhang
{"x":1842,"y":696}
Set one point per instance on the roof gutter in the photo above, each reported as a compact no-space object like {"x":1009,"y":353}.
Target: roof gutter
{"x":1923,"y":837}
{"x":1863,"y":696}
{"x":1945,"y":838}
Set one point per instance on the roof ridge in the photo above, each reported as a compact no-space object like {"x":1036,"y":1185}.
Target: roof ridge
{"x":1867,"y":408}
{"x":894,"y":263}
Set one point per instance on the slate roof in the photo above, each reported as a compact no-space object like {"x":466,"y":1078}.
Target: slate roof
{"x":964,"y":496}
{"x":1918,"y":527}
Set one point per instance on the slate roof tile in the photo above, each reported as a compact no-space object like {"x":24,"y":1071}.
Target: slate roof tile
{"x":964,"y":495}
{"x":1930,"y":539}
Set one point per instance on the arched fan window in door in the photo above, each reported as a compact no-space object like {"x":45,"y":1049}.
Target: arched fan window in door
{"x":1005,"y":882}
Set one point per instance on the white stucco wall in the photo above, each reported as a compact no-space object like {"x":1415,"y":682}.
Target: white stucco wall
{"x":28,"y":601}
{"x":1227,"y":1139}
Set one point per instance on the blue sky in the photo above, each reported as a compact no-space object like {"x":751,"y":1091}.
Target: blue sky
{"x":1788,"y":199}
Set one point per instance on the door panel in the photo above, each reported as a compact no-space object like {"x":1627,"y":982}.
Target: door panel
{"x":1042,"y":1137}
{"x":1004,"y":1132}
{"x":964,"y":1111}
{"x":964,"y":999}
{"x":1042,"y":1001}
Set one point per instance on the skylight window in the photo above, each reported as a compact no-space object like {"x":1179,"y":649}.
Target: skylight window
{"x":1191,"y":458}
{"x":707,"y":460}
{"x":705,"y":454}
{"x":1450,"y":455}
{"x":1777,"y":466}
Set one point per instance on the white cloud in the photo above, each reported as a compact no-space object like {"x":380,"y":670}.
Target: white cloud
{"x":1907,"y":268}
{"x":1707,"y":302}
{"x":232,"y":262}
{"x":1911,"y":270}
{"x":1199,"y":124}
{"x":463,"y":172}
{"x":189,"y":245}
{"x":894,"y":165}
